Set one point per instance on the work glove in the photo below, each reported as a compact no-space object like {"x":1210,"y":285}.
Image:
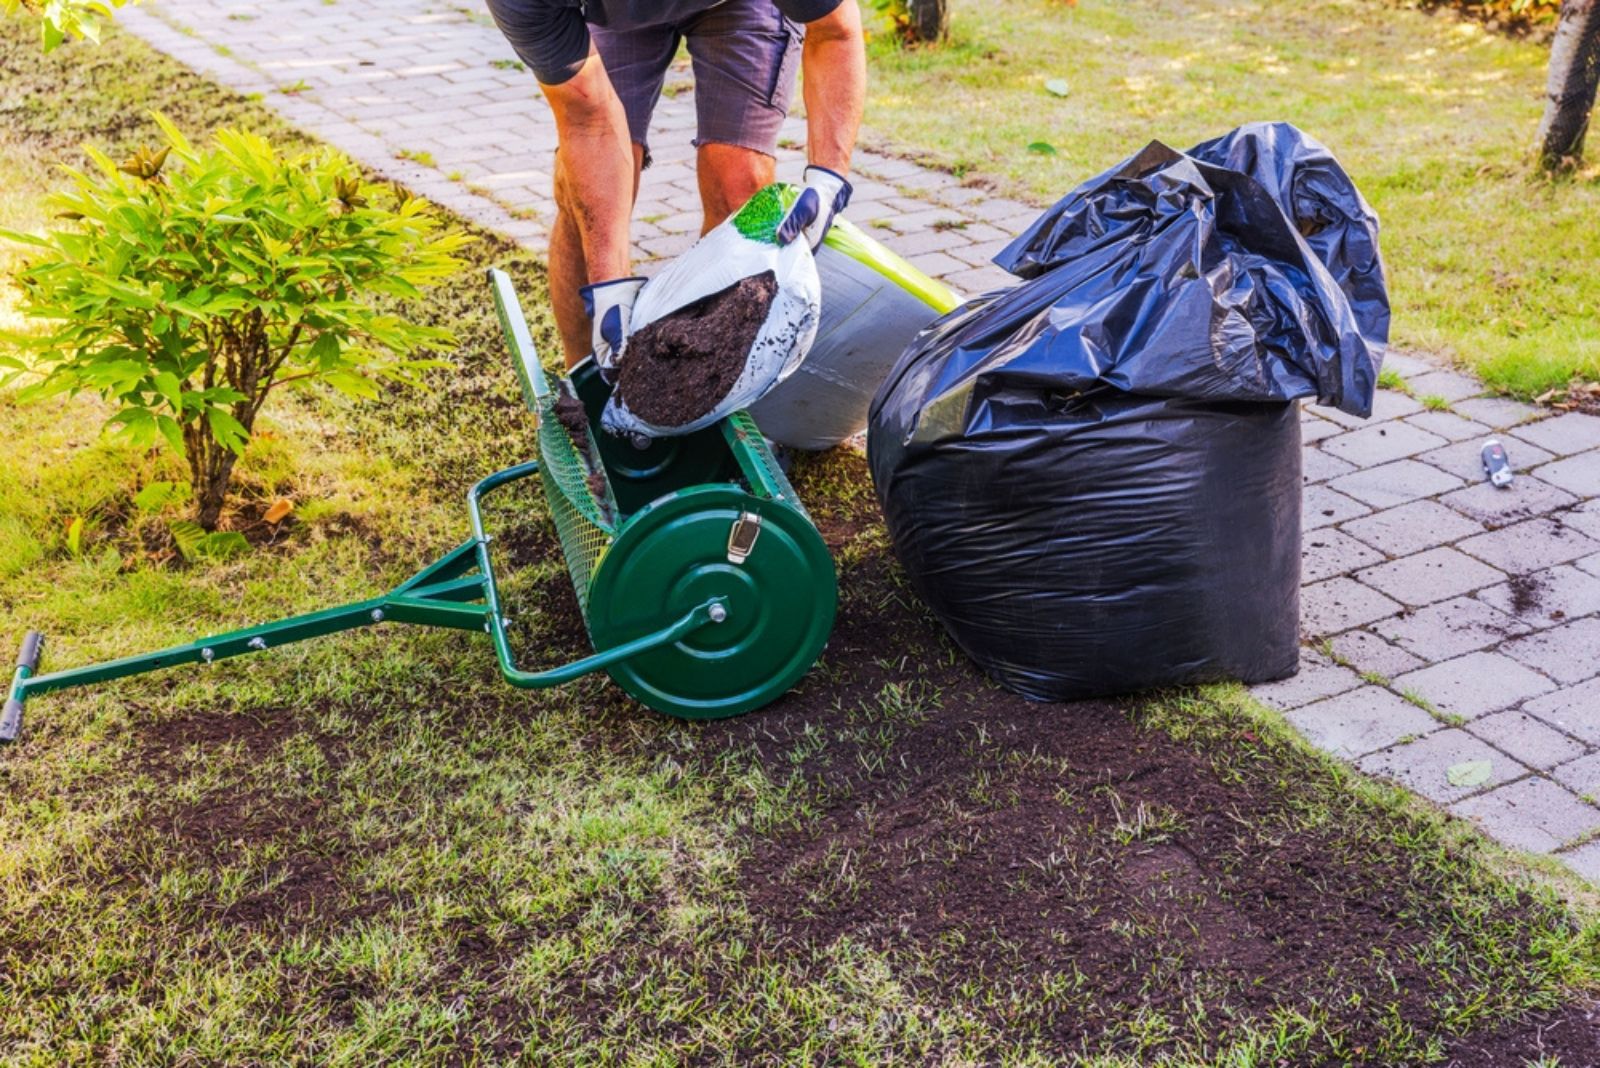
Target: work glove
{"x":824,"y":196}
{"x":610,"y":306}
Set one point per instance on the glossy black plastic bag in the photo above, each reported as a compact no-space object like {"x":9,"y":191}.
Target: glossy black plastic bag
{"x":1093,"y":477}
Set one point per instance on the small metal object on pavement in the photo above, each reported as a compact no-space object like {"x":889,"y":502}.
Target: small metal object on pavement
{"x":1496,"y":464}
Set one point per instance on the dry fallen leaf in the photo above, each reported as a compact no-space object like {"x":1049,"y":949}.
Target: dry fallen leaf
{"x":280,"y":508}
{"x":1469,"y":773}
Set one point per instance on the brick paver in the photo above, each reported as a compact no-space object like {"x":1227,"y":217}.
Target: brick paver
{"x":1361,"y":721}
{"x":1395,"y":483}
{"x":435,"y":98}
{"x":1565,"y":434}
{"x":1574,"y":709}
{"x":1530,"y":546}
{"x":1496,"y":507}
{"x":1578,"y":475}
{"x":1413,"y":527}
{"x":1546,"y":598}
{"x":1324,"y":507}
{"x":1425,"y":586}
{"x":1525,"y":737}
{"x":1449,"y":628}
{"x":1473,"y":685}
{"x":1429,"y":576}
{"x":1533,"y":813}
{"x":1425,"y":764}
{"x":1569,"y":653}
{"x":1581,"y":776}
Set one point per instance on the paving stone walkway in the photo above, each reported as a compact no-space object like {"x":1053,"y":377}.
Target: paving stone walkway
{"x":432,"y":96}
{"x":1452,"y":629}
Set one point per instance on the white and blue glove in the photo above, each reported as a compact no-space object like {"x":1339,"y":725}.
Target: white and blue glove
{"x":610,"y":306}
{"x":823,"y":198}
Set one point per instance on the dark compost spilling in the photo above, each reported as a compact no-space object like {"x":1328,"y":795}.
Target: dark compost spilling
{"x":681,"y":366}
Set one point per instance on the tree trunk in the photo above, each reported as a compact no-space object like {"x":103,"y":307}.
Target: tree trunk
{"x":927,"y":20}
{"x":211,"y":464}
{"x":210,"y":471}
{"x":246,"y":363}
{"x":1574,"y":73}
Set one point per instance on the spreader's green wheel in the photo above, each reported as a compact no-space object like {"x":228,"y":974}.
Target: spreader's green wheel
{"x":675,"y":554}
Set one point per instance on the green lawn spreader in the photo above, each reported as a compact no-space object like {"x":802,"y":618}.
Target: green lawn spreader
{"x":706,"y":589}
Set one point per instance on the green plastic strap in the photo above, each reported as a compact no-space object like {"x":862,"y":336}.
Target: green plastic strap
{"x":844,"y":236}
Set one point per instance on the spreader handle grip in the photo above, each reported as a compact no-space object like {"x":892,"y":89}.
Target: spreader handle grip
{"x":27,"y":664}
{"x":32,"y":645}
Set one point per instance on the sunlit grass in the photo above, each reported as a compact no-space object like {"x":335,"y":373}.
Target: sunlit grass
{"x":1432,"y":116}
{"x":555,"y":872}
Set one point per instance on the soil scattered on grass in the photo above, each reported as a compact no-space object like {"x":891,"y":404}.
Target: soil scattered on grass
{"x":305,"y":885}
{"x":1565,"y":1038}
{"x":682,"y":365}
{"x":1061,"y":869}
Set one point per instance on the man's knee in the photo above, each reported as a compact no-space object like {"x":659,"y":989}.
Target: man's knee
{"x":729,"y":176}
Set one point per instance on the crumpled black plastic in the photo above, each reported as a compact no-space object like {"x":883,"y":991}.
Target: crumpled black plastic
{"x":1093,"y":477}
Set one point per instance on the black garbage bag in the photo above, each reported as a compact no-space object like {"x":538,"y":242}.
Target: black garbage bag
{"x":1093,"y":477}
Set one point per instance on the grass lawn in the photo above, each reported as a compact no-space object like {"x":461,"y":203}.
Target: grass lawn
{"x":368,"y":850}
{"x":1432,"y":116}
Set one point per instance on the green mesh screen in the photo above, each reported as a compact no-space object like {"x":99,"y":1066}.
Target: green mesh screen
{"x":585,"y":524}
{"x":756,"y":461}
{"x":584,"y":510}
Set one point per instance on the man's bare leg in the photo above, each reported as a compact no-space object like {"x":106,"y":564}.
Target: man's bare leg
{"x":729,"y":176}
{"x":568,"y":270}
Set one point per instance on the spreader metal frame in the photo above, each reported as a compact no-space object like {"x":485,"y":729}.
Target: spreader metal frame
{"x":459,"y":591}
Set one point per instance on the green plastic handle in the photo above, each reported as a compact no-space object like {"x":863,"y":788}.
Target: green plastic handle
{"x":514,"y":326}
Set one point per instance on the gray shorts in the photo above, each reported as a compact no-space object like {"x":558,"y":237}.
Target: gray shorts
{"x":745,"y":55}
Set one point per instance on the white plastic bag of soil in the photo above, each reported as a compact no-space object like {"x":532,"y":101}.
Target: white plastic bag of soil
{"x":743,"y":247}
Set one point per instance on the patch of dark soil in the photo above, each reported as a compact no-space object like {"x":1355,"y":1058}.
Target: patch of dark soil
{"x":1527,"y":595}
{"x":527,"y":540}
{"x":222,"y":828}
{"x":548,"y":624}
{"x":680,"y":367}
{"x":1568,"y":1036}
{"x":305,"y":888}
{"x":1077,"y":866}
{"x":162,"y":740}
{"x":248,"y":517}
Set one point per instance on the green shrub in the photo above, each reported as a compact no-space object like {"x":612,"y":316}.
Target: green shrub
{"x":61,"y":19}
{"x":192,"y":284}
